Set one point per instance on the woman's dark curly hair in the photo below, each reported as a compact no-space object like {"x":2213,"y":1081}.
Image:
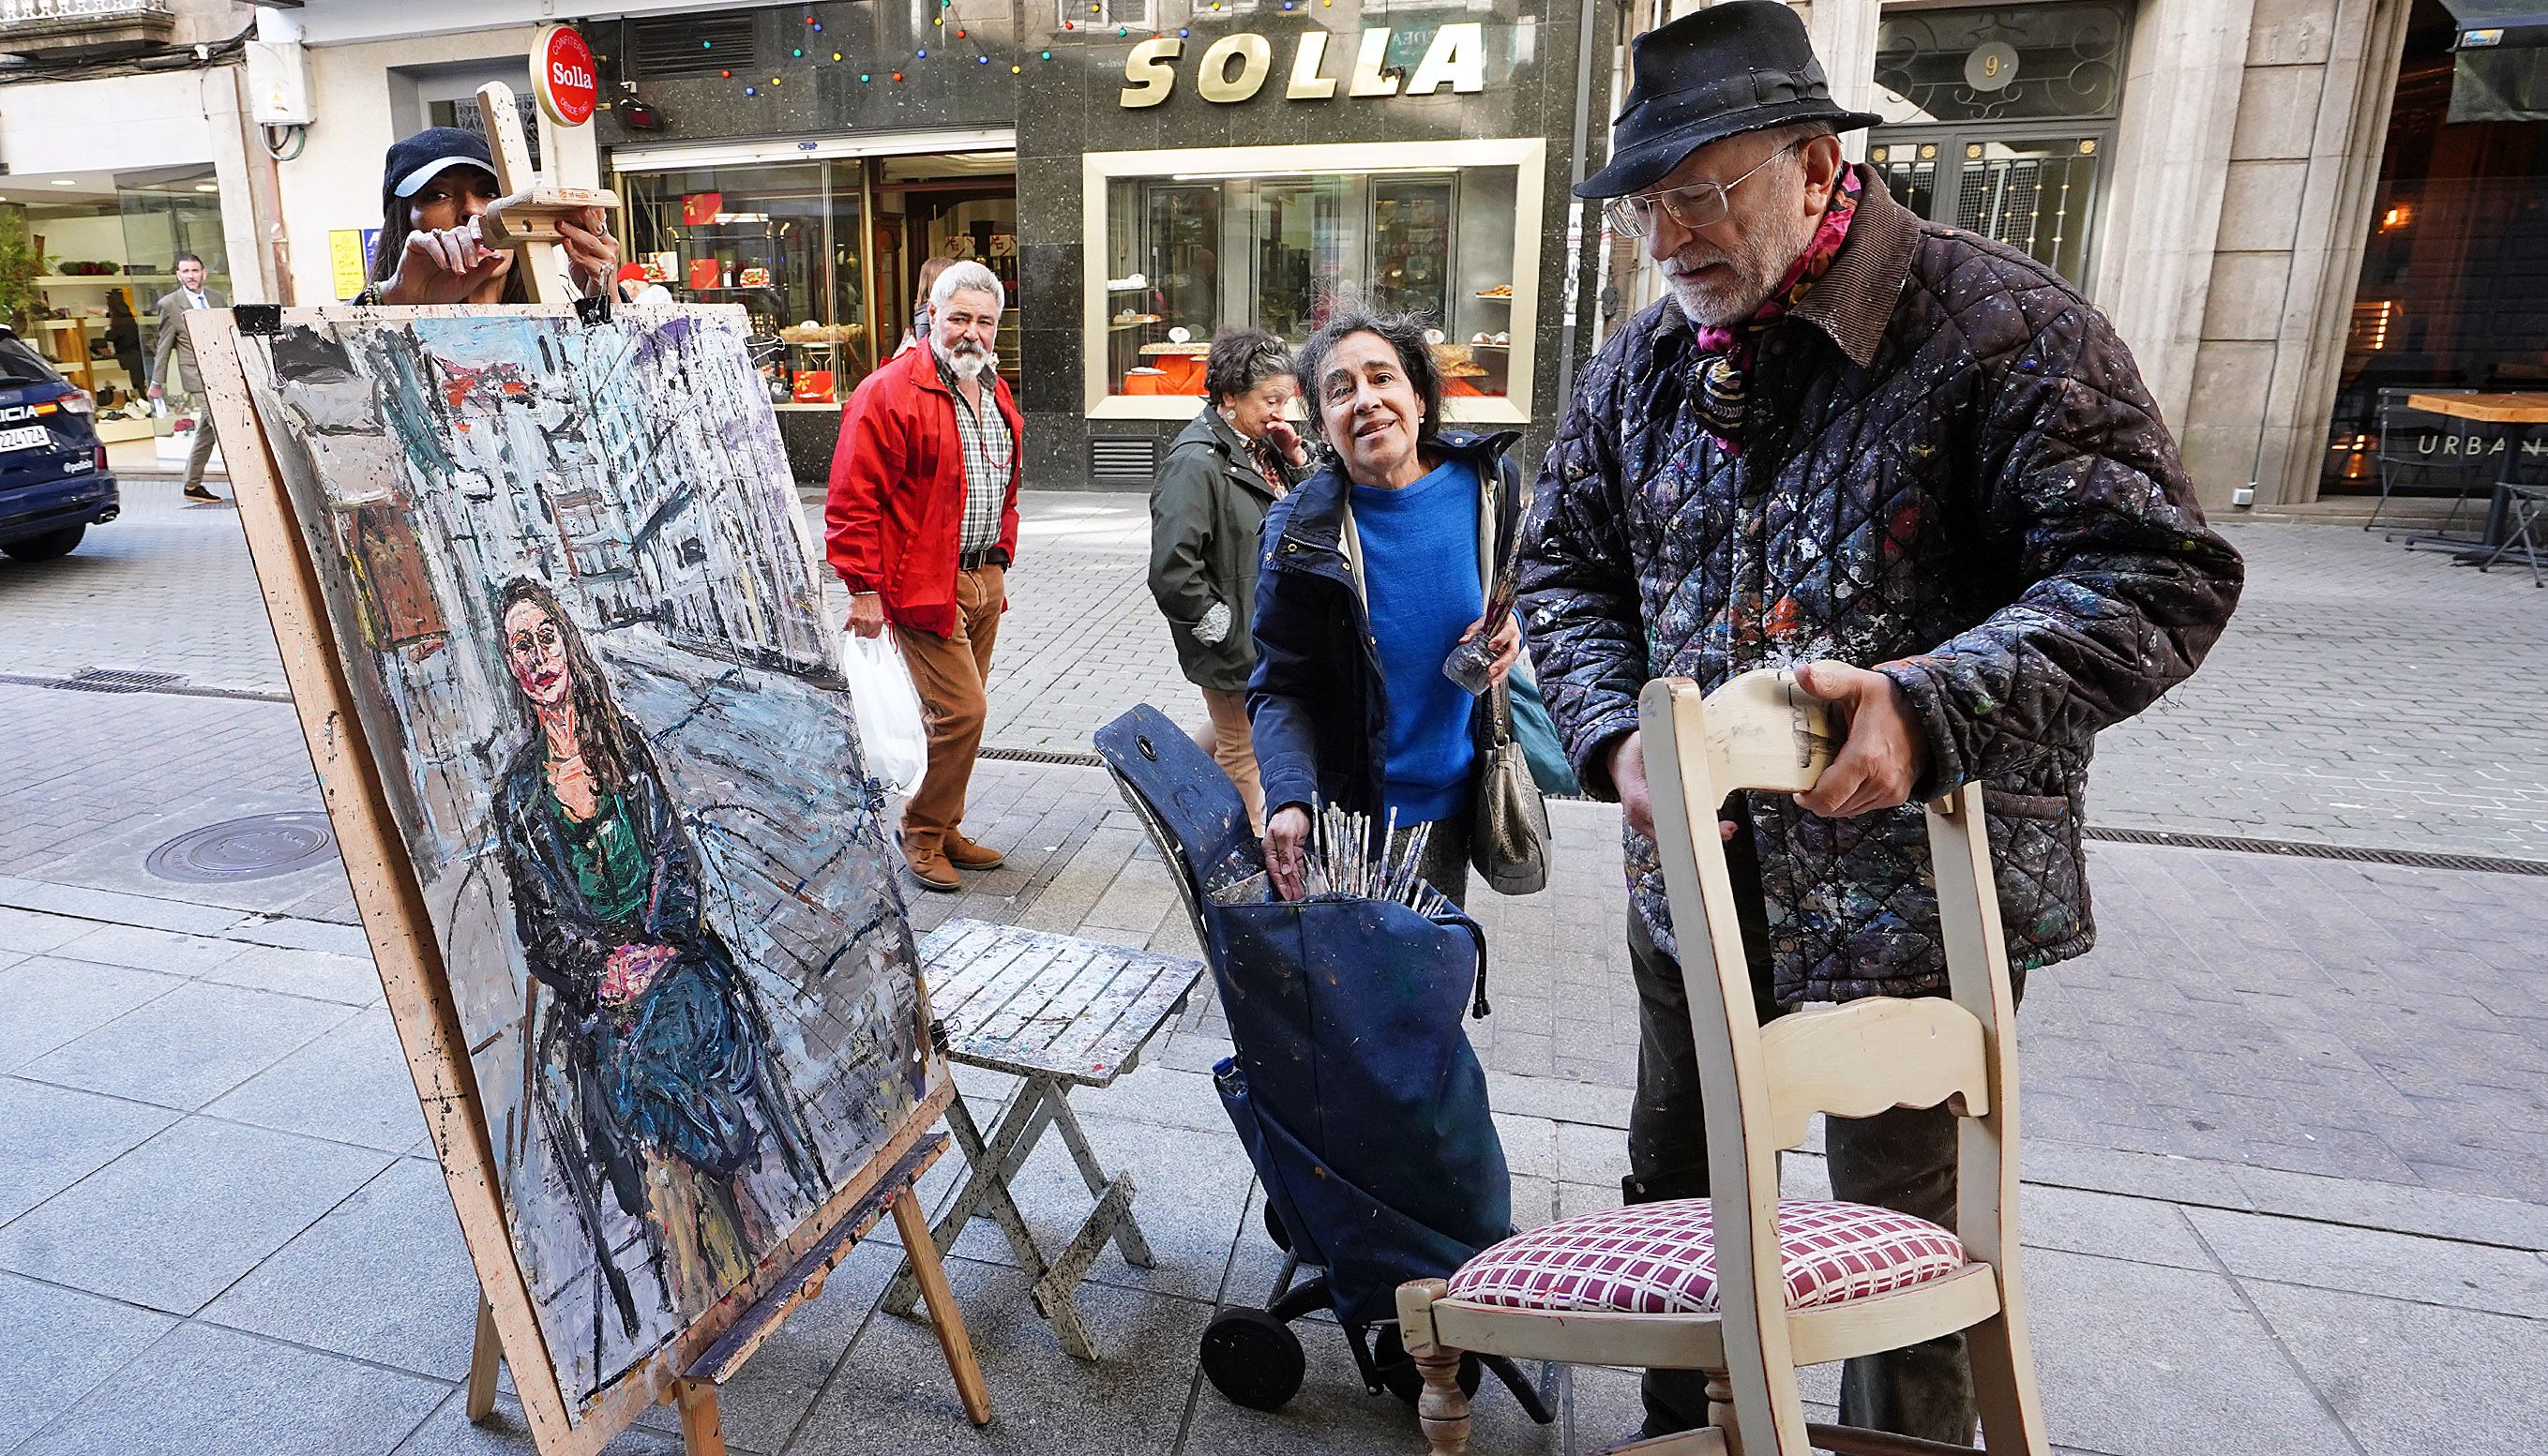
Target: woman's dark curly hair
{"x":601,"y":735}
{"x":1403,"y":333}
{"x":1242,"y":358}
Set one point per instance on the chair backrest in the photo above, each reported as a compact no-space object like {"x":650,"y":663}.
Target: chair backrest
{"x":2422,"y":440}
{"x":1762,"y":1087}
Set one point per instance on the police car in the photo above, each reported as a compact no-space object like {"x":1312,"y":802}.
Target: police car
{"x":54,"y":481}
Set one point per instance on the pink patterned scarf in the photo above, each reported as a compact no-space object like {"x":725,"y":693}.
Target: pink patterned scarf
{"x":1726,"y":352}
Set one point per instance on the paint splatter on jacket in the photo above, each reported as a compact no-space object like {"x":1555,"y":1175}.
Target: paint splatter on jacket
{"x":1952,"y":474}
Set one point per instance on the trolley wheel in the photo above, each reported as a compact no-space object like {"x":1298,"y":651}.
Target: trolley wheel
{"x":1253,"y":1358}
{"x":1397,"y":1369}
{"x":1275,"y":1230}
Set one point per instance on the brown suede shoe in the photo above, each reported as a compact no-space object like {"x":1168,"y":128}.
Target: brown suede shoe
{"x":931,"y":869}
{"x":964,"y":853}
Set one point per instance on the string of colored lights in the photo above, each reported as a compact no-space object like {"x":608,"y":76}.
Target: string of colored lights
{"x":980,"y":55}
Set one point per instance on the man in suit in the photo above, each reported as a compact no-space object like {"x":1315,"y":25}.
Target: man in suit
{"x":174,"y":305}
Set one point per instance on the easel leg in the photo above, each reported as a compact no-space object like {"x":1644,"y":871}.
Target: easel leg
{"x":702,"y":1435}
{"x":991,"y":1167}
{"x":948,"y":1320}
{"x":486,"y":1354}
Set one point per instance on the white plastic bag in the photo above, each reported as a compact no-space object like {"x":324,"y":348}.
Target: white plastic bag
{"x":890,"y":731}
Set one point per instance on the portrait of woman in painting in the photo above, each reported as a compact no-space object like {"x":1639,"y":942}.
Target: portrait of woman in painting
{"x":669,"y":1094}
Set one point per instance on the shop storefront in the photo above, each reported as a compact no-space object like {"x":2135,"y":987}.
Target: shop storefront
{"x":109,"y":179}
{"x":2452,"y":294}
{"x":110,"y":243}
{"x":1139,"y":175}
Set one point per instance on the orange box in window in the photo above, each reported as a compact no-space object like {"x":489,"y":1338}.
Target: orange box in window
{"x":1184,"y":374}
{"x":1456,"y":388}
{"x":1146,"y":382}
{"x":814,"y":386}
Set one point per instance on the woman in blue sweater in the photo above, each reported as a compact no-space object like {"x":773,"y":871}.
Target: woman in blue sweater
{"x":1374,"y":569}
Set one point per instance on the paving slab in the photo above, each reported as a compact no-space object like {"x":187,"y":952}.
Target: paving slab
{"x":2408,"y":1377}
{"x":52,"y":1003}
{"x":211,"y":1392}
{"x":57,"y":1135}
{"x":2368,"y":1261}
{"x":189,"y":1046}
{"x":179,"y":1219}
{"x":893,"y":1393}
{"x":320,"y":976}
{"x":75,"y":1343}
{"x":350,"y":1084}
{"x":384,"y":1277}
{"x":2141,"y":1360}
{"x":146,"y":948}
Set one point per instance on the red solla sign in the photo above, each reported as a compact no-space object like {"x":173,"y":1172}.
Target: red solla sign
{"x":562,"y":75}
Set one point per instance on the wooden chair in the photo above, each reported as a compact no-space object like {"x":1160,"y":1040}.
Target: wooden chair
{"x":1748,"y":1288}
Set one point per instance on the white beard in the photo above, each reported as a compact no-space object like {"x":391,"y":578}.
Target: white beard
{"x":968,"y":367}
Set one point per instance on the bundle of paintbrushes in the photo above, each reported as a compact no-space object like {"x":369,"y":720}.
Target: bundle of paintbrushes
{"x":1350,"y":856}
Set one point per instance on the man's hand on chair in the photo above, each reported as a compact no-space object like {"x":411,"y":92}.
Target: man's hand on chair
{"x":1628,"y":776}
{"x":1885,"y":753}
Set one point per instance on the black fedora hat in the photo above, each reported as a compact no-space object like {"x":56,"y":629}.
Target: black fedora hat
{"x":1744,"y":66}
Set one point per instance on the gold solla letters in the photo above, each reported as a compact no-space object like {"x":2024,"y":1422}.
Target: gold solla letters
{"x":1235,"y":67}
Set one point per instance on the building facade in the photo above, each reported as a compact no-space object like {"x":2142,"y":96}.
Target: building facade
{"x":2293,"y":209}
{"x":124,"y":143}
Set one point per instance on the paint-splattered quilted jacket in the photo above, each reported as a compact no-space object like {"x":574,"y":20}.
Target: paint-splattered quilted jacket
{"x":1952,"y":474}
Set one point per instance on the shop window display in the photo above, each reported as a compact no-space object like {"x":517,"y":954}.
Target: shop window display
{"x":1188,"y":252}
{"x":785,"y":243}
{"x":108,"y":256}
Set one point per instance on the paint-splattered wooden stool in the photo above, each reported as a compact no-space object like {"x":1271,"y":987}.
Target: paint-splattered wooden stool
{"x":1062,"y":1013}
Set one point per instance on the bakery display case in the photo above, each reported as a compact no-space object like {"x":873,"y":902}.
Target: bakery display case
{"x":785,"y":243}
{"x":1269,"y":237}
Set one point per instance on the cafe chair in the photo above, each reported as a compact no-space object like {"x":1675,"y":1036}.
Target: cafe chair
{"x":2525,"y":507}
{"x":1748,"y":1287}
{"x":2419,"y":450}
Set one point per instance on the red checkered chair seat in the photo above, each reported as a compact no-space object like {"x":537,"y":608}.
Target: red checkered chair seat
{"x":1660,"y":1259}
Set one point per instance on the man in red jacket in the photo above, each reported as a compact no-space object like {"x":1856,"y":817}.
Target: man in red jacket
{"x":922,"y":523}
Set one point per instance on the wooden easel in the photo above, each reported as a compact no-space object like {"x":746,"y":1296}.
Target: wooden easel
{"x":687,"y":1369}
{"x":526,"y":217}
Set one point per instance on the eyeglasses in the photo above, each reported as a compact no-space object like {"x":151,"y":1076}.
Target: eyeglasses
{"x":1694,"y":206}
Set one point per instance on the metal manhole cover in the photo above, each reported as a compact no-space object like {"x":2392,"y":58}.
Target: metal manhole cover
{"x":108,"y":679}
{"x":259,"y":846}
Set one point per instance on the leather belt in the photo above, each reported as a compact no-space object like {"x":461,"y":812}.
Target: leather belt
{"x":974,"y":561}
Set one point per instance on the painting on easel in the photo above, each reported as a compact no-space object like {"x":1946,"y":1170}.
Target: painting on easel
{"x":574,"y":596}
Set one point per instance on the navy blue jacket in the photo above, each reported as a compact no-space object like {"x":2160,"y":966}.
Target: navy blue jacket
{"x":1321,"y":719}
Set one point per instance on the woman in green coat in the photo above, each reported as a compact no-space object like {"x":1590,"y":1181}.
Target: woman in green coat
{"x":1224,"y":471}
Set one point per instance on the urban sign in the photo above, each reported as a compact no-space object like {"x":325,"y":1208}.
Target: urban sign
{"x":1235,"y":67}
{"x":562,"y":74}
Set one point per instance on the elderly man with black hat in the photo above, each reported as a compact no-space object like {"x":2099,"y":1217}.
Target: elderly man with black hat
{"x":1919,"y":468}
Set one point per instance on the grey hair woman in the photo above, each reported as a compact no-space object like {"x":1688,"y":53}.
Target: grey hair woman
{"x":1384,"y":567}
{"x":1226,"y":470}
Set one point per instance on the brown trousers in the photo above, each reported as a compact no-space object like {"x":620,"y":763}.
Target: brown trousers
{"x":948,"y":674}
{"x":1234,"y":747}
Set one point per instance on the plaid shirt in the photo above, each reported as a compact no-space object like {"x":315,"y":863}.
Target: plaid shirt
{"x":988,"y":449}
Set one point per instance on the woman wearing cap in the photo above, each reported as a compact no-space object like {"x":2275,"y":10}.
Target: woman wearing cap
{"x":436,"y":185}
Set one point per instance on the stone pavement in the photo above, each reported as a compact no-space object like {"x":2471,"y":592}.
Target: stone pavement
{"x":2285,"y":1129}
{"x":2363,"y":696}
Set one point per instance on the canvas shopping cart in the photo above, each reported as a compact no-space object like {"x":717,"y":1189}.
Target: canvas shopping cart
{"x":1357,"y":1094}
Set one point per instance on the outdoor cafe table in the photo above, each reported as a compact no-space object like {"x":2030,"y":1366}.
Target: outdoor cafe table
{"x":2524,"y":411}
